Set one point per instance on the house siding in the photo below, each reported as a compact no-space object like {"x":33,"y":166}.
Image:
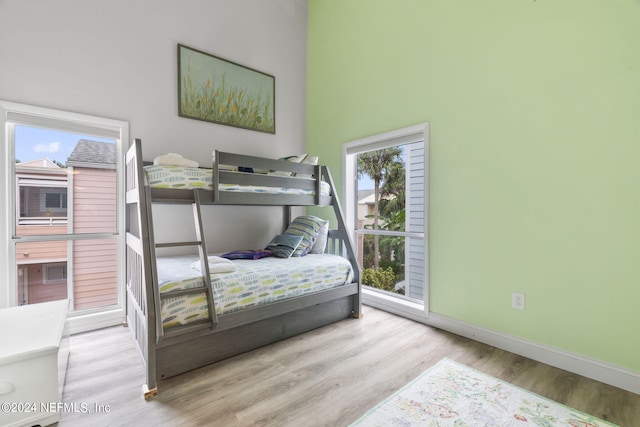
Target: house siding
{"x":94,"y":200}
{"x":39,"y":291}
{"x":31,"y":252}
{"x":94,"y":273}
{"x":94,"y":261}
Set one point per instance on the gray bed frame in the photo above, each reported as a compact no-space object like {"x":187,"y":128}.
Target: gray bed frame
{"x":183,"y":348}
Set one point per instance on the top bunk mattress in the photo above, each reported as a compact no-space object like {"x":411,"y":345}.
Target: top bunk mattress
{"x":187,"y":178}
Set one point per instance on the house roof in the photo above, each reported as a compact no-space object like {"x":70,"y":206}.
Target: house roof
{"x":43,"y":167}
{"x":39,"y":163}
{"x":93,"y":154}
{"x":366,"y":196}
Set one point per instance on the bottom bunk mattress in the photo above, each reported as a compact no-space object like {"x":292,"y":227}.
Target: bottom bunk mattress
{"x":254,"y":282}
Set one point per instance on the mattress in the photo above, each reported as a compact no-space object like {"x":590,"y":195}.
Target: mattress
{"x":180,"y":177}
{"x":255,"y":282}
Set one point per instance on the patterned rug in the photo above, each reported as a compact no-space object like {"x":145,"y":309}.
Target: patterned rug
{"x":451,"y":394}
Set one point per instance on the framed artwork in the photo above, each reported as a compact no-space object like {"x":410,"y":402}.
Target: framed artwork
{"x":220,"y":91}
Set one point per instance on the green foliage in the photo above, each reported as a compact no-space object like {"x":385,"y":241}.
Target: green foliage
{"x":396,"y":266}
{"x":384,"y":279}
{"x":377,"y":164}
{"x":383,"y":166}
{"x":220,"y":103}
{"x":392,"y":192}
{"x":390,"y":248}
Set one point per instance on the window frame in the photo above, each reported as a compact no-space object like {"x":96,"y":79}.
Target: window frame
{"x":51,"y":266}
{"x":13,"y":114}
{"x":62,"y":199}
{"x":399,"y":304}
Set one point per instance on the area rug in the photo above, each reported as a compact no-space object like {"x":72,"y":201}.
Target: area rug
{"x":451,"y":394}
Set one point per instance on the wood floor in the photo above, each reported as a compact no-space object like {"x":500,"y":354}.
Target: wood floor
{"x":327,"y":377}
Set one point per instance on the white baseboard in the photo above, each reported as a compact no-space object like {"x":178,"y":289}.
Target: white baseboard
{"x":572,"y":362}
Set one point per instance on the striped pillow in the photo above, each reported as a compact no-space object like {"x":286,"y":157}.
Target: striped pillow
{"x":283,"y":245}
{"x":307,"y":226}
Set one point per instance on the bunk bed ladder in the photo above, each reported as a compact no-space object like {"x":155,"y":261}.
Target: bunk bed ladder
{"x":204,"y":260}
{"x":204,"y":267}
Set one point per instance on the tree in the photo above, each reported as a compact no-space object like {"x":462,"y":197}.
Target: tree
{"x":392,"y":257}
{"x":392,"y":248}
{"x":378,"y":165}
{"x":392,"y":192}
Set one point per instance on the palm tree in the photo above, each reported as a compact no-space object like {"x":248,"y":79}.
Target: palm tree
{"x":393,"y":190}
{"x":378,"y":165}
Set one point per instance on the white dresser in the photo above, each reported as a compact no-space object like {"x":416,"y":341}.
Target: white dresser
{"x":34,"y":348}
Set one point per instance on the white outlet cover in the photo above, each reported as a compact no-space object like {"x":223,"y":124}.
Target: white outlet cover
{"x":517,"y":300}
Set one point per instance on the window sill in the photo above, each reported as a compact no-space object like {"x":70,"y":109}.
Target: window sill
{"x":400,"y":306}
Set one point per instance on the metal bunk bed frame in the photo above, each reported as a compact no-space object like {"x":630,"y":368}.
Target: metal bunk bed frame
{"x":183,"y":348}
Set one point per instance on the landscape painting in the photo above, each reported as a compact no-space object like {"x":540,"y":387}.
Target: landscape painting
{"x":220,"y":91}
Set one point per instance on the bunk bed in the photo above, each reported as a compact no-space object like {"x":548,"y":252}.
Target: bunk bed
{"x":222,"y":329}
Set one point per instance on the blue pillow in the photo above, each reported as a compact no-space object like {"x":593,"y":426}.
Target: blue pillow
{"x":283,"y":245}
{"x":307,"y":226}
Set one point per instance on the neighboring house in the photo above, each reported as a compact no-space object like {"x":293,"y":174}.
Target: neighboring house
{"x":92,"y":171}
{"x":42,"y":210}
{"x":78,"y":199}
{"x":366,"y":204}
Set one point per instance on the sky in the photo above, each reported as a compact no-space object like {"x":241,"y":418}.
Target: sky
{"x":37,"y":143}
{"x":365,"y":183}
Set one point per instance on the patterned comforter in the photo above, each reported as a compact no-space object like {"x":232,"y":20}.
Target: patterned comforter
{"x":179,"y":177}
{"x":254,"y":282}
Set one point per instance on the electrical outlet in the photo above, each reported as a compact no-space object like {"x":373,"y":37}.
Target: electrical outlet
{"x":517,"y":301}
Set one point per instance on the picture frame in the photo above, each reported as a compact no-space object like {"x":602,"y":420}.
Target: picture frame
{"x":220,"y":91}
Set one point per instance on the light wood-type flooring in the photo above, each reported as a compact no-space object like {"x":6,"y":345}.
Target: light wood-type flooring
{"x":327,"y":377}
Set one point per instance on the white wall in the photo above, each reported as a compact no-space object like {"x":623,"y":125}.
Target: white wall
{"x":117,"y":59}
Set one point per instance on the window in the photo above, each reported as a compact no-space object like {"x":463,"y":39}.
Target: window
{"x":55,"y":273}
{"x":387,"y":208}
{"x":55,"y":200}
{"x":62,"y":231}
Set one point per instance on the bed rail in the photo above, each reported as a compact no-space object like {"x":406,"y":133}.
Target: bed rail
{"x":286,"y":174}
{"x":339,"y":241}
{"x":289,"y":175}
{"x":140,"y":301}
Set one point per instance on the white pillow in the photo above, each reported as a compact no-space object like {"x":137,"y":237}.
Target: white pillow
{"x":309,"y":160}
{"x":174,"y":159}
{"x":321,"y":240}
{"x":294,"y":159}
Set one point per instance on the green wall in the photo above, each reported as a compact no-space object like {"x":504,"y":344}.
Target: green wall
{"x":534,"y":110}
